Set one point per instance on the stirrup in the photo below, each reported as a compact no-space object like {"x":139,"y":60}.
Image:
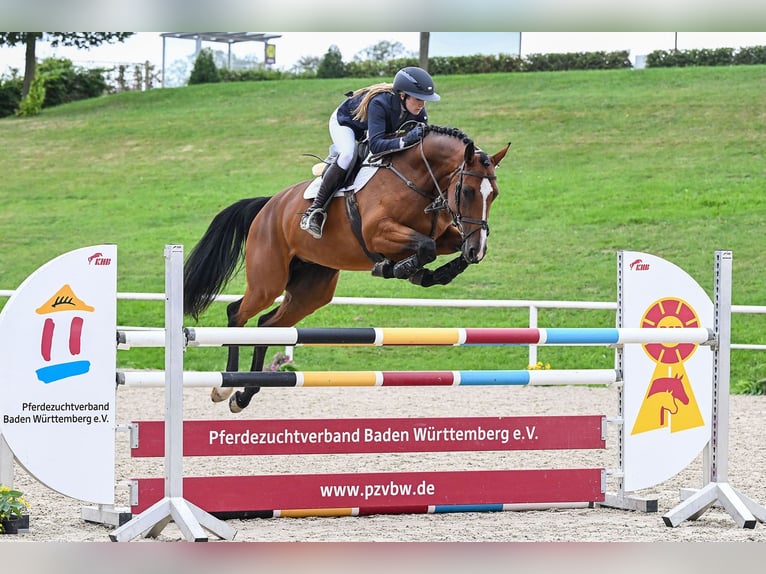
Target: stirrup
{"x":311,"y":224}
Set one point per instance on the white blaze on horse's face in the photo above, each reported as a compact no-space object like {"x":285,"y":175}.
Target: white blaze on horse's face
{"x":486,"y":195}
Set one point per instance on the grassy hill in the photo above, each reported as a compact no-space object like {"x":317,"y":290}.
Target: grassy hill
{"x":666,"y":161}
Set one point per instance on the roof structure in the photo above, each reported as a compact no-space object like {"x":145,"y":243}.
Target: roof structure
{"x":228,"y":38}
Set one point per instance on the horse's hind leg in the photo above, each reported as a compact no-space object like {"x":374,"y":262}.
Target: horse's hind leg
{"x":242,"y":398}
{"x":310,"y":287}
{"x":219,"y":394}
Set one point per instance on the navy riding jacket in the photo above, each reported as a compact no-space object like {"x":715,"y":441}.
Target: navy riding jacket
{"x":386,"y":114}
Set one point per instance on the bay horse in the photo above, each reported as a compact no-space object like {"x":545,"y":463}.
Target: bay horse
{"x":432,"y":198}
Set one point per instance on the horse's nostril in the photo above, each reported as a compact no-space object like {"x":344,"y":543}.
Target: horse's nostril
{"x":471,"y":254}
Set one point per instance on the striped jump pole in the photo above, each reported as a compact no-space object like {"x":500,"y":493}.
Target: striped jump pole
{"x":220,"y":336}
{"x":217,"y":336}
{"x":372,"y":378}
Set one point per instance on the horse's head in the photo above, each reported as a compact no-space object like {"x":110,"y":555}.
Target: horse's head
{"x":470,"y":195}
{"x":460,"y":180}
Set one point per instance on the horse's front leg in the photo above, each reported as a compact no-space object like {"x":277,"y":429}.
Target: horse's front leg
{"x":441,"y":275}
{"x":449,"y":242}
{"x":425,"y":252}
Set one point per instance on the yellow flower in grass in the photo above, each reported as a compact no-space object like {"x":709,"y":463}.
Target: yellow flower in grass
{"x":12,"y":504}
{"x":539,"y":366}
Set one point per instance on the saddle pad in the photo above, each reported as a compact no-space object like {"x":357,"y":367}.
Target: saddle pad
{"x":359,"y":182}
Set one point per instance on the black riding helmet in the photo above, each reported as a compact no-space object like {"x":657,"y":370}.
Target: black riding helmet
{"x":416,"y":82}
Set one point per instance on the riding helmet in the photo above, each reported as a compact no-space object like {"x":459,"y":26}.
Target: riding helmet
{"x":416,"y":82}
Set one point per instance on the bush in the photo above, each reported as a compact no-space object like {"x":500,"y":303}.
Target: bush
{"x":254,"y":75}
{"x":59,"y":83}
{"x":10,"y":95}
{"x":750,"y":56}
{"x":64,"y":83}
{"x":32,"y":103}
{"x":204,"y":71}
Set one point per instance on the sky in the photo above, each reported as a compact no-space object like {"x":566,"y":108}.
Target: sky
{"x":292,"y":46}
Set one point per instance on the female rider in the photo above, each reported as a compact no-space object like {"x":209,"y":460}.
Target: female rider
{"x":376,"y":112}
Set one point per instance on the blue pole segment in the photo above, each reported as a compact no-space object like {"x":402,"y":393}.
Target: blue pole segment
{"x":494,"y":377}
{"x":594,"y":336}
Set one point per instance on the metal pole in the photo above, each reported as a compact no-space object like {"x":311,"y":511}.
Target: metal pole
{"x":163,"y":61}
{"x":719,"y":441}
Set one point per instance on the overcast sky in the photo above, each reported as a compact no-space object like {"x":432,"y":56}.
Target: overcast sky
{"x":292,"y":46}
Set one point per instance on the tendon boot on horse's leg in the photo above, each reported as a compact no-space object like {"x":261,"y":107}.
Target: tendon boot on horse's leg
{"x":441,"y":275}
{"x":407,"y":267}
{"x":314,"y":219}
{"x":241,"y":399}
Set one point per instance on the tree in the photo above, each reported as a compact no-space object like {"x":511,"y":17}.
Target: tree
{"x":76,"y":39}
{"x":382,"y":51}
{"x":204,"y":71}
{"x":332,"y":65}
{"x":307,"y":64}
{"x":425,"y":38}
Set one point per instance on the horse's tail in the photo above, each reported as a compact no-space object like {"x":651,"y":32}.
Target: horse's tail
{"x":216,"y":256}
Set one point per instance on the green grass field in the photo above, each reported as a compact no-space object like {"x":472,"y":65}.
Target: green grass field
{"x":665,"y":161}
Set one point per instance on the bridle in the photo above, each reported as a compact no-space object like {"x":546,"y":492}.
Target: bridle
{"x":441,"y":201}
{"x":457,"y":216}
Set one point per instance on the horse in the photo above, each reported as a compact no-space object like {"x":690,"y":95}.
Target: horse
{"x":432,"y":198}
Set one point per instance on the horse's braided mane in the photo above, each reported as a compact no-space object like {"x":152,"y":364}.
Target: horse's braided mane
{"x":453,"y":132}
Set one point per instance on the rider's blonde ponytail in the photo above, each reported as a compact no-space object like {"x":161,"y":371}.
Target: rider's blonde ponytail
{"x":360,"y":112}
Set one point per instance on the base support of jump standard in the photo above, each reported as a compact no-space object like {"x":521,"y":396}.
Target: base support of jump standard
{"x":743,"y":510}
{"x":106,"y":514}
{"x":193,"y":522}
{"x":623,"y":501}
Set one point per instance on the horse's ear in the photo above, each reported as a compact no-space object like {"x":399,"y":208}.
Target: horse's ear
{"x":470,"y":149}
{"x":498,"y":157}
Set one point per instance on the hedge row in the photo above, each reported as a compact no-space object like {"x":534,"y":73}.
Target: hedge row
{"x":481,"y":64}
{"x":716,"y":57}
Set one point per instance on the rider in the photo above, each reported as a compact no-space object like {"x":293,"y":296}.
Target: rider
{"x":380,"y":110}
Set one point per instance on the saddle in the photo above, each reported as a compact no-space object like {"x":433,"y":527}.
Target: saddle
{"x":358,"y":174}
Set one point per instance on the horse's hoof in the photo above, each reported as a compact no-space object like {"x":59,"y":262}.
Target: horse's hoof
{"x":218,"y":395}
{"x":233,"y":406}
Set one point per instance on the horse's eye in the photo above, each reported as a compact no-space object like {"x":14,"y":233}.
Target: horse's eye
{"x":467,"y":192}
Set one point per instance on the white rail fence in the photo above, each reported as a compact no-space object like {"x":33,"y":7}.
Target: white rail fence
{"x":533,"y":306}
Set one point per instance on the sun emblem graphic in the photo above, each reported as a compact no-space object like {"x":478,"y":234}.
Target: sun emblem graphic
{"x":669,"y":401}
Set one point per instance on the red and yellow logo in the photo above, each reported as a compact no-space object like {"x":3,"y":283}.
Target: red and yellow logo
{"x":669,"y":400}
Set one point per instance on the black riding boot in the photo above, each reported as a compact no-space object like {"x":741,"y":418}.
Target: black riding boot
{"x":314,"y":219}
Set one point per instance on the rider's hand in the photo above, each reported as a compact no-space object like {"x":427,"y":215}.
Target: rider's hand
{"x":412,"y":136}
